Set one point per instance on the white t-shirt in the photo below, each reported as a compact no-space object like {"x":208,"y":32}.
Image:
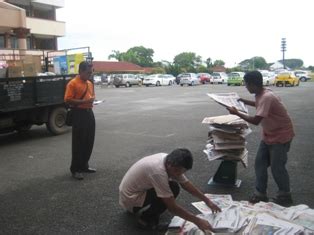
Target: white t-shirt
{"x":149,"y":172}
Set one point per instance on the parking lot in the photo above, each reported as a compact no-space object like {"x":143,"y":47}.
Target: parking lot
{"x":38,"y":195}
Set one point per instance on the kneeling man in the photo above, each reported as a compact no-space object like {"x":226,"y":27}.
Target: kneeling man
{"x":151,"y":186}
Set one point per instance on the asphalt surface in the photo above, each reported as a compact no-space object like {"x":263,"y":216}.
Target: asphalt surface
{"x":38,"y":195}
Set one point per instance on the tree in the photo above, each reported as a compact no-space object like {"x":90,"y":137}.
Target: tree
{"x":209,"y":63}
{"x":115,"y":55}
{"x":293,"y":63}
{"x":202,"y":69}
{"x":256,"y":62}
{"x":259,"y":63}
{"x":219,"y":63}
{"x":187,"y":61}
{"x":311,"y":68}
{"x":141,"y":56}
{"x":137,"y":55}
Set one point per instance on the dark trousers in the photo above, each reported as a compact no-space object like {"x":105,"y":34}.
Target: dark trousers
{"x":83,"y":136}
{"x":274,"y":156}
{"x":157,"y":206}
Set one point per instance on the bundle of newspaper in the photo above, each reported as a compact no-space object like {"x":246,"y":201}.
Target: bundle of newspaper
{"x":229,"y":100}
{"x":241,"y":217}
{"x":226,"y":138}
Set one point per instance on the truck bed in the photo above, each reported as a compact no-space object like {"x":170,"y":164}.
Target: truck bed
{"x":30,"y":92}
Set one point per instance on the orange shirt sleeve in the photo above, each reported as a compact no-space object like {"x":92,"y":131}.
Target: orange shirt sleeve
{"x":69,"y":91}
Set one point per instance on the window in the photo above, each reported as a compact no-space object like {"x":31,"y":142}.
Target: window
{"x":14,"y":42}
{"x":2,"y":42}
{"x":28,"y":43}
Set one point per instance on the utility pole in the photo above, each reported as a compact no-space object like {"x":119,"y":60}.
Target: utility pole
{"x":283,"y":49}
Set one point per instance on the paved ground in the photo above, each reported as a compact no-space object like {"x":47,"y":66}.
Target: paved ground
{"x":38,"y":196}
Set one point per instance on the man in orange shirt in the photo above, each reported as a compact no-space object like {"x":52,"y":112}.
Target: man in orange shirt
{"x":79,"y":95}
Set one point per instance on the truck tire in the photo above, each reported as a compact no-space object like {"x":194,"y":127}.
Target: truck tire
{"x":56,"y":121}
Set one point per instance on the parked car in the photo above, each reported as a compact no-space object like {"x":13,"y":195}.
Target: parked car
{"x":303,"y":75}
{"x":235,"y":78}
{"x":97,"y":79}
{"x":204,"y":77}
{"x":178,"y":78}
{"x":126,"y":80}
{"x":159,"y":79}
{"x":268,"y":77}
{"x":287,"y":79}
{"x":219,"y":77}
{"x":140,"y":76}
{"x":190,"y":79}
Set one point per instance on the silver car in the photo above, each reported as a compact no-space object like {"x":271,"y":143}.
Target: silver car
{"x":190,"y":79}
{"x":126,"y":80}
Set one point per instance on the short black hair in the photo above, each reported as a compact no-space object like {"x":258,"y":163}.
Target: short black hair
{"x":254,"y":78}
{"x":84,"y":65}
{"x":180,"y":157}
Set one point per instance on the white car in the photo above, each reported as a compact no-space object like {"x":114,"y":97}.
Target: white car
{"x":219,"y":77}
{"x":190,"y":79}
{"x":159,"y":80}
{"x":268,"y":78}
{"x":302,"y":75}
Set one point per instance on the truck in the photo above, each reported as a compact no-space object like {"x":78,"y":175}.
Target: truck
{"x":35,"y":100}
{"x":27,"y":101}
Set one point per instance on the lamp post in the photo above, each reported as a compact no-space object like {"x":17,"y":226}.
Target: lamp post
{"x":283,"y":49}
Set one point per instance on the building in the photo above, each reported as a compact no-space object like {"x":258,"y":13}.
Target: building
{"x":29,"y":27}
{"x":278,"y":65}
{"x":118,"y":67}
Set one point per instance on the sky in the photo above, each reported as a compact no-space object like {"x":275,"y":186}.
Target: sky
{"x":228,"y":30}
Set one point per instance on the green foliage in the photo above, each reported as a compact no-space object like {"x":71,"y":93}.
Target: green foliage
{"x":188,"y":61}
{"x":311,"y":68}
{"x":115,"y":55}
{"x":209,"y":63}
{"x":137,"y":55}
{"x":158,"y":70}
{"x":219,"y":63}
{"x":173,"y":69}
{"x":202,"y":69}
{"x":256,"y":62}
{"x":293,"y":63}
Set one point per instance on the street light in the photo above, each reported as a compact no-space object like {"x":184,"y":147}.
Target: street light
{"x":283,"y":49}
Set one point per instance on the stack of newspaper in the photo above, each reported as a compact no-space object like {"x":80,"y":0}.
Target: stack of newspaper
{"x":227,"y":133}
{"x":226,"y":138}
{"x":241,"y":217}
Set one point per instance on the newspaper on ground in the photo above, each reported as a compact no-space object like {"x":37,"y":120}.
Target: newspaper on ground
{"x":305,"y":219}
{"x":266,"y":224}
{"x":241,"y":217}
{"x":229,"y":100}
{"x":224,"y":201}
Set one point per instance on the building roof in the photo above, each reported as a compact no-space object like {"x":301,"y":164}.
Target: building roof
{"x":219,"y":68}
{"x":116,"y":67}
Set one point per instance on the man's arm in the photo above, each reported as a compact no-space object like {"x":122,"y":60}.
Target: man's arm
{"x":189,"y":187}
{"x":251,"y":119}
{"x":176,"y":209}
{"x":74,"y":102}
{"x":247,"y":102}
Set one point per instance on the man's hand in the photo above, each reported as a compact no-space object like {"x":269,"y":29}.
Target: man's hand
{"x":90,"y":100}
{"x":203,"y":225}
{"x":213,"y":207}
{"x":233,"y":110}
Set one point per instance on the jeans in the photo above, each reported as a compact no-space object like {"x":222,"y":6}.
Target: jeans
{"x":156,"y":205}
{"x":275,"y":156}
